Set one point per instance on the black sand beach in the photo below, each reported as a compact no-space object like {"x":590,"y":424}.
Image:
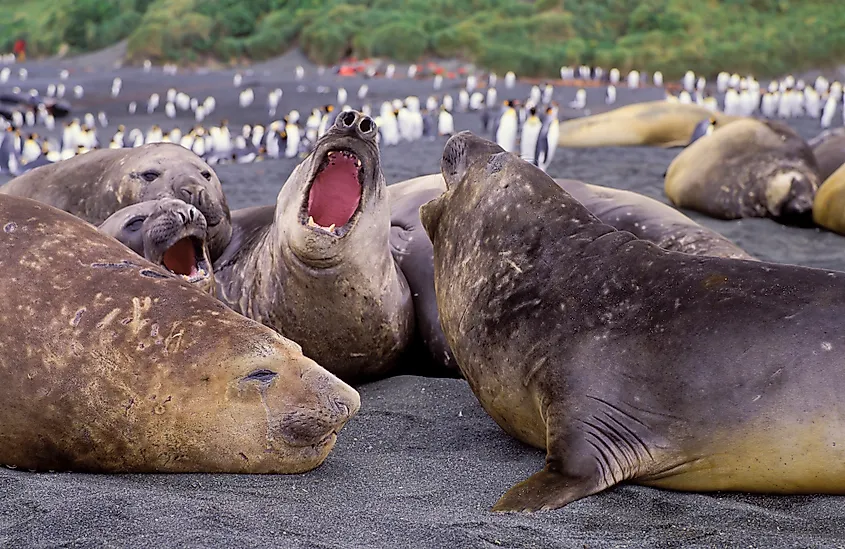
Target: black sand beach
{"x":422,"y":463}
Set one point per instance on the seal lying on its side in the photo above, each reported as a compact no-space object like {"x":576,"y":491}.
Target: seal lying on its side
{"x":169,"y":232}
{"x":98,"y":183}
{"x":635,"y":363}
{"x":651,"y":220}
{"x":749,"y":168}
{"x":317,"y":266}
{"x":109,"y":363}
{"x":644,"y":217}
{"x":654,"y":123}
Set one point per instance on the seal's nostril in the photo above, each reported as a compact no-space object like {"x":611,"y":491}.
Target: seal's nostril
{"x":186,"y":192}
{"x":366,"y":125}
{"x":347,"y":119}
{"x":182,"y":217}
{"x":192,"y":214}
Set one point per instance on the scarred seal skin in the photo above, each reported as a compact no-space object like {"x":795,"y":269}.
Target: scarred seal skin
{"x":109,"y":363}
{"x":627,"y":362}
{"x":96,"y":184}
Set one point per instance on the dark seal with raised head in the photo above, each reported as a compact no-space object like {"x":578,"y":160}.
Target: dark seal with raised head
{"x":627,"y":362}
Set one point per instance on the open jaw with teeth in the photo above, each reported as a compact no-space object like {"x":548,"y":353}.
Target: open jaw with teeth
{"x":335,"y":193}
{"x":186,"y":258}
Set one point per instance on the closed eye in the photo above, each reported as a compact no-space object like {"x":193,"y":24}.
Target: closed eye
{"x":150,"y":175}
{"x":134,"y":224}
{"x":264,"y":376}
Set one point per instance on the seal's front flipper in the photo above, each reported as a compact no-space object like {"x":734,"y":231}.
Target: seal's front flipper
{"x":545,"y":491}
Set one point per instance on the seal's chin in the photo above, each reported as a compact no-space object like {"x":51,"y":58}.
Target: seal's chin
{"x":333,"y":198}
{"x":187,"y":258}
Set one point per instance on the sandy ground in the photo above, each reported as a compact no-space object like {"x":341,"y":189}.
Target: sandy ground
{"x":422,"y":463}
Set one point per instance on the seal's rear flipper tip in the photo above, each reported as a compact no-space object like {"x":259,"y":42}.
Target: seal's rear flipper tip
{"x":545,"y":491}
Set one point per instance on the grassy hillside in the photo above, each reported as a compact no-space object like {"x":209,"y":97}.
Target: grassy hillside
{"x":531,"y":38}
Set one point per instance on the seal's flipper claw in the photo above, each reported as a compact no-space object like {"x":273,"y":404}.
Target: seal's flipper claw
{"x":545,"y":491}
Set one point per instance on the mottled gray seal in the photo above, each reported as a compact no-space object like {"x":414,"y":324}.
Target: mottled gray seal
{"x":96,"y":184}
{"x":643,"y":217}
{"x":625,"y":361}
{"x":317,"y":266}
{"x":111,"y":364}
{"x":829,"y":151}
{"x":168,"y":232}
{"x":749,"y":168}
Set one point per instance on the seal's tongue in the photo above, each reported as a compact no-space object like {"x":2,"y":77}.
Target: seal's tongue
{"x":336,"y":192}
{"x":181,"y":258}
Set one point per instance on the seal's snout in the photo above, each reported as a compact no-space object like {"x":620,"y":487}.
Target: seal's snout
{"x":366,"y":127}
{"x":356,"y":124}
{"x":346,"y":120}
{"x":188,"y":215}
{"x":324,"y":405}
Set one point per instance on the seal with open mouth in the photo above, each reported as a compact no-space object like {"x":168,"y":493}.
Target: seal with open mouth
{"x":170,"y":233}
{"x":96,"y":184}
{"x":109,"y":364}
{"x":317,"y":266}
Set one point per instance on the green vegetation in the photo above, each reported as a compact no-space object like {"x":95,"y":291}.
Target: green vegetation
{"x":764,"y":37}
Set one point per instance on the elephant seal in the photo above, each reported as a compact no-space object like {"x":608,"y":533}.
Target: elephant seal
{"x":829,"y":151}
{"x":168,"y":232}
{"x":749,"y":168}
{"x":653,"y":123}
{"x":96,"y":184}
{"x":111,"y":364}
{"x":829,"y":203}
{"x":651,"y":220}
{"x":317,"y":266}
{"x":637,"y":364}
{"x":643,"y":217}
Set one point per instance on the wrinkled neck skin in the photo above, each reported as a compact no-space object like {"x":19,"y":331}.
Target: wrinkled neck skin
{"x":343,"y":299}
{"x":491,"y":273}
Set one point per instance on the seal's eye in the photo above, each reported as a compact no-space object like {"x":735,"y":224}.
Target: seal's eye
{"x":264,"y":376}
{"x":134,"y":224}
{"x":206,"y":174}
{"x":150,"y":175}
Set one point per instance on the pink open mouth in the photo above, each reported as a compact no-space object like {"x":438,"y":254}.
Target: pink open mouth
{"x":186,"y":258}
{"x":335,"y":194}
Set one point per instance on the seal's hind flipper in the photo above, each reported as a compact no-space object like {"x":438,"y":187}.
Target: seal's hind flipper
{"x":545,"y":491}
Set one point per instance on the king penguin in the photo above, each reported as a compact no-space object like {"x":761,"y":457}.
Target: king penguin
{"x":530,"y":135}
{"x":507,"y":128}
{"x":547,"y":140}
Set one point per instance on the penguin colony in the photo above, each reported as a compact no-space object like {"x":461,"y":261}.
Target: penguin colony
{"x":526,"y":126}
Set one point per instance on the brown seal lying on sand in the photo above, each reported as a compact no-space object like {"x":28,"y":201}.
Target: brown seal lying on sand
{"x":109,"y":363}
{"x":627,"y":362}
